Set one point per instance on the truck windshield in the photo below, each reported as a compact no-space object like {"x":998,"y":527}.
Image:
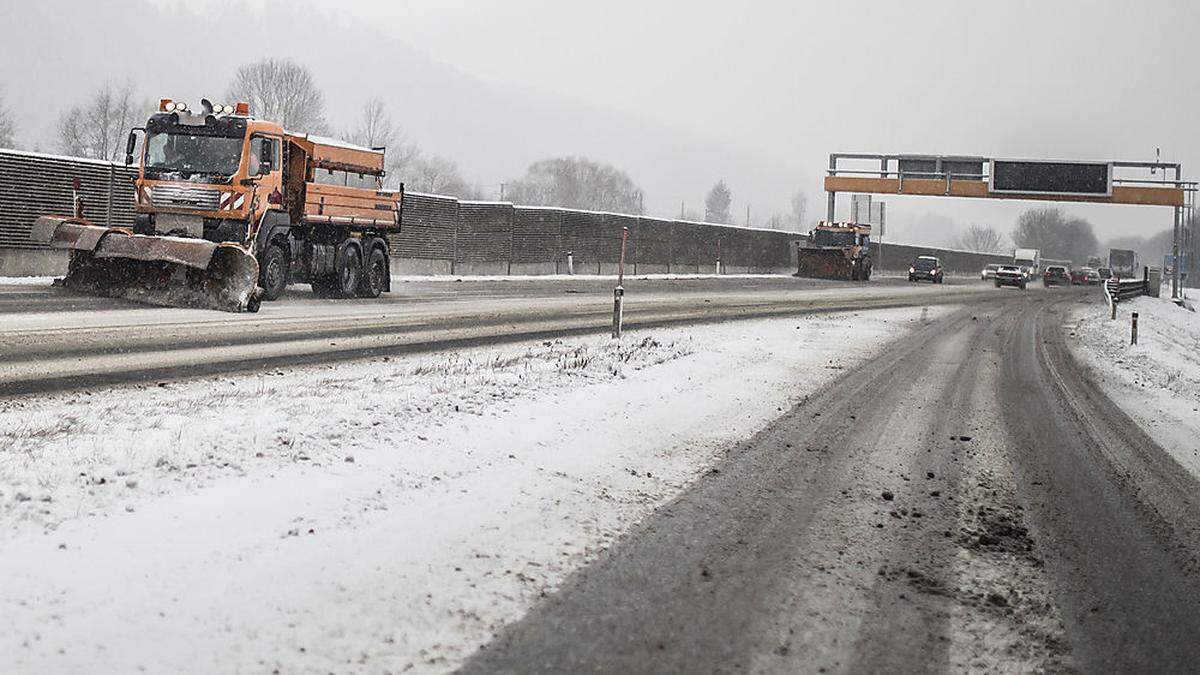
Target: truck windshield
{"x":827,"y":238}
{"x":190,"y":154}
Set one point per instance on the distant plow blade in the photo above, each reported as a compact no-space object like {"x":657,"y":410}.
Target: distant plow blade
{"x":170,"y":271}
{"x":824,"y":264}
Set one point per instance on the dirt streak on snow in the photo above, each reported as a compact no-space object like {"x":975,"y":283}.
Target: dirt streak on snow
{"x":373,"y":517}
{"x":1157,"y":381}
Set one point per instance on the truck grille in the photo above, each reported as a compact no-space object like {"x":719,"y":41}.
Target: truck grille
{"x":204,"y":199}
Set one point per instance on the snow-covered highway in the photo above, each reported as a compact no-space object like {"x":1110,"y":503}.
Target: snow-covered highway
{"x":53,"y":340}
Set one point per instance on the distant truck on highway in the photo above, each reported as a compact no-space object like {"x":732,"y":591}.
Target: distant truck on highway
{"x":1123,"y":263}
{"x":836,"y":251}
{"x":1028,"y":259}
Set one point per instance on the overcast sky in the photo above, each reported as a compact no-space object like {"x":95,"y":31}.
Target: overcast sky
{"x":788,"y":82}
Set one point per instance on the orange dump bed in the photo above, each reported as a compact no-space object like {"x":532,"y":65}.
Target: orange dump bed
{"x":352,"y":206}
{"x":346,"y":204}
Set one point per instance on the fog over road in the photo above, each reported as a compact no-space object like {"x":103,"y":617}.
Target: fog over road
{"x":967,"y":500}
{"x":53,"y":340}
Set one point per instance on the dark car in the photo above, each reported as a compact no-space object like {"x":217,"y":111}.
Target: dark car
{"x":1011,"y":275}
{"x":926,"y":267}
{"x":1056,"y":275}
{"x":1085,"y":276}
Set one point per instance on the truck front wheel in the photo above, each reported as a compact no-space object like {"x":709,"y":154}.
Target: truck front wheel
{"x":274,"y":276}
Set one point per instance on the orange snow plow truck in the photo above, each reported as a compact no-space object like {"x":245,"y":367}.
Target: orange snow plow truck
{"x":230,"y":209}
{"x":836,"y":251}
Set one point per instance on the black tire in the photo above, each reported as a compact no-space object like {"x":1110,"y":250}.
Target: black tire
{"x":375,"y":275}
{"x":347,"y":273}
{"x":274,"y":274}
{"x":997,"y":284}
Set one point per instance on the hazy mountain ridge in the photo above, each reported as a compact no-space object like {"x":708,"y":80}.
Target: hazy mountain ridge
{"x":493,"y":131}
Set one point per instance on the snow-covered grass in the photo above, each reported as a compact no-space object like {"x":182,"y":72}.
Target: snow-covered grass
{"x":388,"y":515}
{"x":1156,"y":381}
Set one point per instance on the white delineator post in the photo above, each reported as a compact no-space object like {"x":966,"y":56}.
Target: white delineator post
{"x":76,"y":199}
{"x":718,"y":256}
{"x":571,"y":262}
{"x":619,"y":291}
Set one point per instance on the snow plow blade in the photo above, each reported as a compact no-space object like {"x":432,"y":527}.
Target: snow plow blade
{"x":169,"y":271}
{"x":818,"y":264}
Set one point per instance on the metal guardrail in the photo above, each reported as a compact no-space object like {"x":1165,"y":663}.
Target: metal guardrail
{"x":1117,"y":290}
{"x":1124,"y":289}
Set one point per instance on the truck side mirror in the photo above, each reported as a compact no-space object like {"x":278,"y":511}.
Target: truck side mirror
{"x":265,"y":157}
{"x":130,"y":144}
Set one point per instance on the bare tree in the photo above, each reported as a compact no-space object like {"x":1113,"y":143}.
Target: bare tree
{"x":577,"y":183}
{"x":981,"y":239}
{"x":717,"y":203}
{"x":439,"y":176}
{"x":376,"y":130}
{"x":8,"y":127}
{"x":282,"y":91}
{"x":98,"y":128}
{"x":1055,"y":234}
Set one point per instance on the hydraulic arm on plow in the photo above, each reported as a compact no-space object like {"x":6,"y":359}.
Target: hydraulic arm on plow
{"x":229,"y":210}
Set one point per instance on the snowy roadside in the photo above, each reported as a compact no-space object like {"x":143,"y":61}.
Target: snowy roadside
{"x":380,"y":516}
{"x":1157,"y":381}
{"x":27,"y":281}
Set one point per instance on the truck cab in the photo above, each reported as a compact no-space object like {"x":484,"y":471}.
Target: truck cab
{"x":207,"y":174}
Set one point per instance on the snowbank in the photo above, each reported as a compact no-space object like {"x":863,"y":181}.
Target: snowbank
{"x":26,"y":281}
{"x":390,"y":514}
{"x":397,"y":278}
{"x":1157,"y":381}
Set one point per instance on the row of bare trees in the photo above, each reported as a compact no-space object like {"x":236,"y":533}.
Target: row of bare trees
{"x":718,"y":208}
{"x":285,"y":91}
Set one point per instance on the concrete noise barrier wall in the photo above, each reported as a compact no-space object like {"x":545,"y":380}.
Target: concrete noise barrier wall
{"x":444,"y":235}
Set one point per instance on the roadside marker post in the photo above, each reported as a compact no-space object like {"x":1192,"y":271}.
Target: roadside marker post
{"x":1133,"y":329}
{"x":619,"y":291}
{"x":571,"y":263}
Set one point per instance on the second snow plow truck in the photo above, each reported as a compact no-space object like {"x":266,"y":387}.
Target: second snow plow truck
{"x":229,"y":209}
{"x":836,"y":251}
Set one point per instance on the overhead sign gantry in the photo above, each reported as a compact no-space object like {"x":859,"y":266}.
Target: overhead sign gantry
{"x":1130,"y":183}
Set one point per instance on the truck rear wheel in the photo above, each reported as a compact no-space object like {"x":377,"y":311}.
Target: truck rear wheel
{"x":375,"y":273}
{"x":346,"y":276}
